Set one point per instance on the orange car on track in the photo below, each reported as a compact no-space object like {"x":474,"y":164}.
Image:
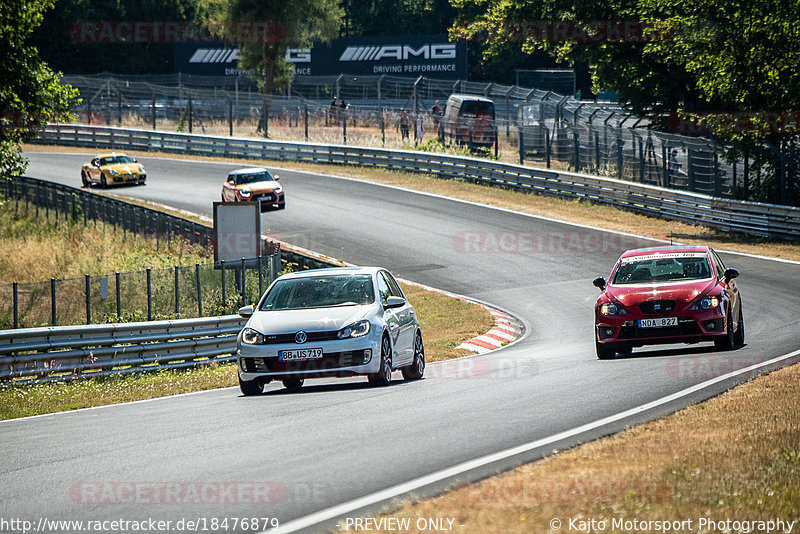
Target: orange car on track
{"x":254,"y":184}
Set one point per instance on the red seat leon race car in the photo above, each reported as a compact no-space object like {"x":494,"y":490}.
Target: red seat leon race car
{"x":676,"y":294}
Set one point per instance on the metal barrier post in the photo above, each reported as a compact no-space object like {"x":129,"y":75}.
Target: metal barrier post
{"x":149,"y":296}
{"x":230,"y":117}
{"x":547,"y":146}
{"x":190,"y":114}
{"x":16,"y":305}
{"x":224,"y":295}
{"x":119,"y":296}
{"x":88,"y":300}
{"x":260,"y":275}
{"x":619,"y":158}
{"x":154,"y":111}
{"x":53,"y":301}
{"x":305,"y":120}
{"x":244,"y":279}
{"x":344,"y":125}
{"x":577,"y":155}
{"x":521,"y":146}
{"x":199,"y":290}
{"x":177,"y":294}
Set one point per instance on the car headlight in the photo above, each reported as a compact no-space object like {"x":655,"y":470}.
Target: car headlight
{"x":245,"y":192}
{"x":279,"y":189}
{"x":252,"y":337}
{"x":112,"y":172}
{"x":705,"y":303}
{"x":611,"y":308}
{"x":361,"y":328}
{"x":141,"y":169}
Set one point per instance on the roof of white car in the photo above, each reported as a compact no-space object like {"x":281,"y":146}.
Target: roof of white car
{"x":334,"y":271}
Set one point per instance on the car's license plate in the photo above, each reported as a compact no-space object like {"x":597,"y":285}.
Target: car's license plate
{"x":658,"y":322}
{"x":299,"y":354}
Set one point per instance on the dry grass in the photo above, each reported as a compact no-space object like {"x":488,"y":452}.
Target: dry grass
{"x":565,"y":210}
{"x":446,"y":322}
{"x":736,"y":456}
{"x":39,"y":248}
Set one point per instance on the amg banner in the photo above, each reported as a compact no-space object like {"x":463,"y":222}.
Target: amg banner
{"x":405,"y":55}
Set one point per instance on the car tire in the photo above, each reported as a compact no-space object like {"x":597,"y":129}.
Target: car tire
{"x":103,"y":182}
{"x":384,"y":374}
{"x":417,"y":367}
{"x":293,"y":384}
{"x":738,"y":336}
{"x":604,"y":351}
{"x":84,"y":180}
{"x":222,"y":198}
{"x":726,"y":342}
{"x":282,"y":205}
{"x":250,"y":388}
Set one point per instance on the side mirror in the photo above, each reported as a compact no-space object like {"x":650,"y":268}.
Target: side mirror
{"x":246,"y":311}
{"x":276,"y":177}
{"x":730,"y":273}
{"x":395,"y":302}
{"x":600,"y":283}
{"x":135,"y":160}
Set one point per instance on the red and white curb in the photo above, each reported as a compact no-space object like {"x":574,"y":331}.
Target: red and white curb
{"x":506,"y":329}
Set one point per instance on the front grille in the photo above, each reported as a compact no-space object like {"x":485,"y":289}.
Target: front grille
{"x":326,"y":335}
{"x":332,"y":360}
{"x":686,"y":327}
{"x":657,"y":307}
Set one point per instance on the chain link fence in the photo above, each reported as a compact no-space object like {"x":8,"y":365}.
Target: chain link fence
{"x":531,"y":125}
{"x":202,"y":290}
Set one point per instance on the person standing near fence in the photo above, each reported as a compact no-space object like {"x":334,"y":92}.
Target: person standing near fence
{"x":404,"y":125}
{"x":672,"y":164}
{"x":436,"y":114}
{"x":419,"y":130}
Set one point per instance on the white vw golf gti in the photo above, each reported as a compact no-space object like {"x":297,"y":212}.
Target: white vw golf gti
{"x":329,"y":322}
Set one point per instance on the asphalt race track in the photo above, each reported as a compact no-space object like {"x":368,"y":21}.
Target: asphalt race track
{"x":340,"y":440}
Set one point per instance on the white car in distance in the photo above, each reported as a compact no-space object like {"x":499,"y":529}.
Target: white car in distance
{"x":329,"y":323}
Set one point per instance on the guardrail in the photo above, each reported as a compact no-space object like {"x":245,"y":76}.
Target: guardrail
{"x":70,"y":352}
{"x":765,"y":220}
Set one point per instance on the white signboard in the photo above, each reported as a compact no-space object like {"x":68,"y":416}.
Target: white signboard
{"x":237,"y":226}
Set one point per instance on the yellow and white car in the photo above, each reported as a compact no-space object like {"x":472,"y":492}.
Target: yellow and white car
{"x":113,"y":168}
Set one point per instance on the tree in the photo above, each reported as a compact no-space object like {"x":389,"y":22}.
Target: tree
{"x":30,"y":92}
{"x":728,"y":66}
{"x":264,"y":29}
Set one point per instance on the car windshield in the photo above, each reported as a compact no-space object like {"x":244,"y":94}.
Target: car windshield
{"x":662,"y":268}
{"x":113,"y":160}
{"x":319,"y":292}
{"x":253,"y":177}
